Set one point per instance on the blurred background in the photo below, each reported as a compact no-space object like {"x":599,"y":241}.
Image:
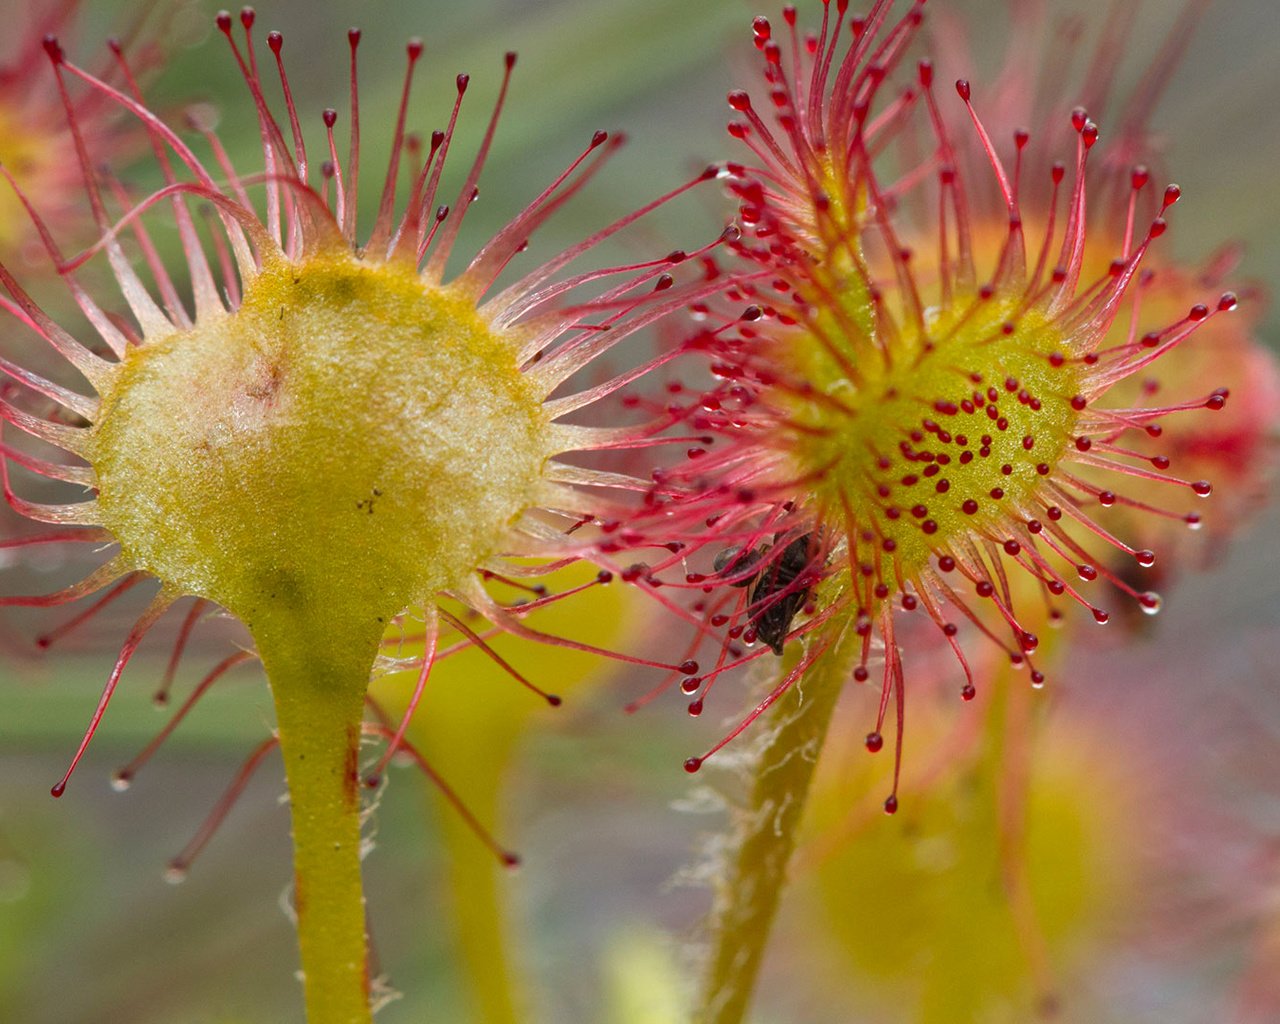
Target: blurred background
{"x":1167,"y":740}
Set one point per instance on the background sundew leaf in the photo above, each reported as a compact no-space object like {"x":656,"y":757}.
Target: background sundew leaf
{"x":946,"y":911}
{"x":1218,"y":101}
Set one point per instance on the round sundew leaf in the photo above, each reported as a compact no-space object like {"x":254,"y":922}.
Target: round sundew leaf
{"x":349,"y":438}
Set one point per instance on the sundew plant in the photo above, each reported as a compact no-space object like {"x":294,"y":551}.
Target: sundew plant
{"x":890,"y":393}
{"x":918,"y":401}
{"x":333,"y":428}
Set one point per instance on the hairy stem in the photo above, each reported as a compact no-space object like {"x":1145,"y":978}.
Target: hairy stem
{"x":766,"y":837}
{"x":319,"y":692}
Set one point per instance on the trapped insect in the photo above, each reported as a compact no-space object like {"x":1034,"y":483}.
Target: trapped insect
{"x":779,"y":590}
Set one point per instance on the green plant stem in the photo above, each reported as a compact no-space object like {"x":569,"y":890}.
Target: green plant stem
{"x":766,"y":836}
{"x":319,"y":697}
{"x":480,"y":924}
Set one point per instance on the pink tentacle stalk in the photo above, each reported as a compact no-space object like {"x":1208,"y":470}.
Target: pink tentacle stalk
{"x":159,"y":605}
{"x":180,"y":865}
{"x":505,"y":857}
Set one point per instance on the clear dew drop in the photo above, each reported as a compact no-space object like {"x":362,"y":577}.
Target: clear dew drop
{"x":1150,"y":602}
{"x":121,"y":782}
{"x":175,"y":874}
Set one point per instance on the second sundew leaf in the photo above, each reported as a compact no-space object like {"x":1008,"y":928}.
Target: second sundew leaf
{"x":915,"y":368}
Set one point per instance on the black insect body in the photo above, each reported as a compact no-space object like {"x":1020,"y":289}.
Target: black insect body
{"x":738,"y":564}
{"x":775,"y":597}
